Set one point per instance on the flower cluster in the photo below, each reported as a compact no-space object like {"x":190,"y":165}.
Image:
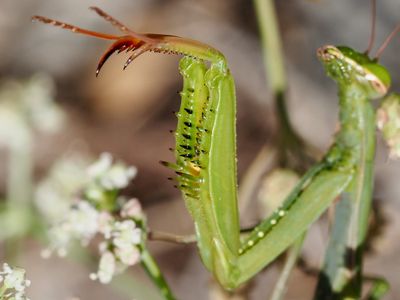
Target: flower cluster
{"x":54,"y":192}
{"x":98,"y":210}
{"x":388,"y":121}
{"x":109,"y":175}
{"x":122,"y":242}
{"x":13,"y":283}
{"x":25,"y":105}
{"x":79,"y":223}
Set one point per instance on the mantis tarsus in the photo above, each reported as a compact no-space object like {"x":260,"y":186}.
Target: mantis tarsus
{"x":205,"y":151}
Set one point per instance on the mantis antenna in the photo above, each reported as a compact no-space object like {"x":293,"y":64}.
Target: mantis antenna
{"x":387,"y":41}
{"x":373,"y":27}
{"x":373,"y":30}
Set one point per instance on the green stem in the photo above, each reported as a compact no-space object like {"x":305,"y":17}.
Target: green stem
{"x":19,"y":186}
{"x":271,"y":44}
{"x":292,"y":255}
{"x":379,"y":288}
{"x":152,"y":269}
{"x":19,"y":190}
{"x":291,"y":148}
{"x":2,"y":291}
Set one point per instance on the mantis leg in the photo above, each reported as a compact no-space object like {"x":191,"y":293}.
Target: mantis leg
{"x":303,"y":211}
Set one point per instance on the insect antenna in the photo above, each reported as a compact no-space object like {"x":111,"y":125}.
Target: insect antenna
{"x":373,"y":27}
{"x":74,"y":28}
{"x":387,"y":41}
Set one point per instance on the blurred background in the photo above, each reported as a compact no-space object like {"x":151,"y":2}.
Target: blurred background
{"x":67,"y":112}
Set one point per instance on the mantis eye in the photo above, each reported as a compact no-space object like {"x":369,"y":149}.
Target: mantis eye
{"x":379,"y":87}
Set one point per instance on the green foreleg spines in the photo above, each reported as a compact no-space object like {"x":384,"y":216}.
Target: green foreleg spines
{"x":194,"y":95}
{"x":206,"y":120}
{"x":186,"y":149}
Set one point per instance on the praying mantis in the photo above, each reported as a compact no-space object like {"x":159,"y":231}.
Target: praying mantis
{"x":205,"y":154}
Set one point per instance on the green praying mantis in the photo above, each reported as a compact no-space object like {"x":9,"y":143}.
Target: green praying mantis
{"x":205,"y":153}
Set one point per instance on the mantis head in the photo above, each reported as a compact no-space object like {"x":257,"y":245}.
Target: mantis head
{"x":137,"y":43}
{"x":347,"y":66}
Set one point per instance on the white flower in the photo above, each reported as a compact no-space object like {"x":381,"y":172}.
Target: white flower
{"x":25,"y":105}
{"x":124,"y":238}
{"x":132,"y":209}
{"x":101,"y":165}
{"x":80,"y":223}
{"x":53,"y":194}
{"x":13,"y":283}
{"x":126,"y":233}
{"x":106,"y":268}
{"x":128,"y":255}
{"x":121,"y":238}
{"x":83,"y":220}
{"x":105,"y":224}
{"x":120,"y":248}
{"x":118,"y":176}
{"x":59,"y":241}
{"x":111,"y":176}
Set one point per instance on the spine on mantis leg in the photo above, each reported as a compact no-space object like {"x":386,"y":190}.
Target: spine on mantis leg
{"x":189,"y":150}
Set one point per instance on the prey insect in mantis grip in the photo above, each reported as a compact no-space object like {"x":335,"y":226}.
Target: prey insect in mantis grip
{"x":205,"y":149}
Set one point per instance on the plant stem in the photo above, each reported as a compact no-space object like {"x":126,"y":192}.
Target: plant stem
{"x":291,"y":148}
{"x":19,"y":190}
{"x":380,"y":287}
{"x":152,"y":269}
{"x":271,"y":44}
{"x":154,"y":235}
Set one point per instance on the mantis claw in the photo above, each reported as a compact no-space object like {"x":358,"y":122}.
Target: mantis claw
{"x":138,"y":43}
{"x":127,"y":44}
{"x":136,"y":53}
